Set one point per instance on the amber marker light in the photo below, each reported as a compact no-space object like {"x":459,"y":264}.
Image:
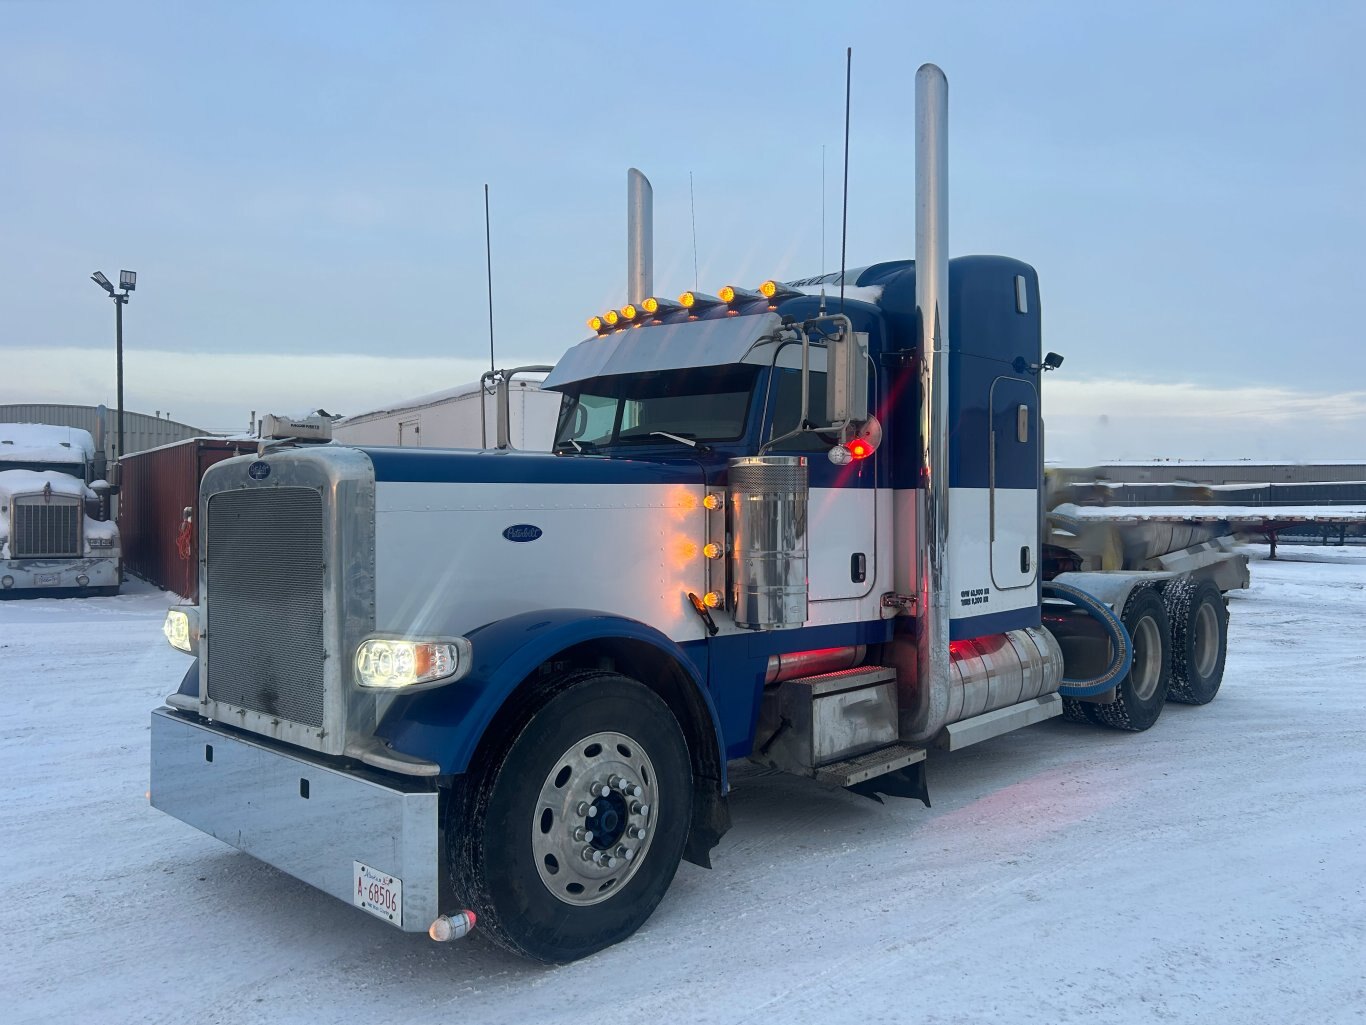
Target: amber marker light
{"x":611,"y":317}
{"x":772,"y":289}
{"x":692,"y":300}
{"x":712,"y":550}
{"x":713,"y":501}
{"x":595,"y":323}
{"x":712,"y":599}
{"x":731,"y":294}
{"x":628,"y":312}
{"x":655,"y":304}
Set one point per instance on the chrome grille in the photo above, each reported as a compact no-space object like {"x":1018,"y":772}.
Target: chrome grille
{"x":46,"y":528}
{"x":264,"y":602}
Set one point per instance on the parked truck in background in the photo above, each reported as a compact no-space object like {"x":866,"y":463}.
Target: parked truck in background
{"x":55,"y":535}
{"x":804,"y":529}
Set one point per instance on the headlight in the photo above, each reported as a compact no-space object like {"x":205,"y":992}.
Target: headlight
{"x":181,"y":628}
{"x":391,"y":663}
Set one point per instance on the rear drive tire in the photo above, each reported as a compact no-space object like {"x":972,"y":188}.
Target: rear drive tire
{"x":555,"y":869}
{"x":1199,"y":618}
{"x":1140,"y":695}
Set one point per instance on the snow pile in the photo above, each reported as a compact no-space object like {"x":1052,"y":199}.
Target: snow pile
{"x":42,"y":443}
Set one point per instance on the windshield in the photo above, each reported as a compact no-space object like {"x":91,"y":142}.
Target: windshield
{"x":76,"y":470}
{"x":705,"y":404}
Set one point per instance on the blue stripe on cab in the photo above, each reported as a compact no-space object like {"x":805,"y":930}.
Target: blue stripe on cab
{"x":466,"y":466}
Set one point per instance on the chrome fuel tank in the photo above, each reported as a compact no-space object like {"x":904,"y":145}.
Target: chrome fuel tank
{"x":768,"y":505}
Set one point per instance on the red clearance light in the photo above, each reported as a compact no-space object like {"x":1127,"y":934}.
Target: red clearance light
{"x":859,"y":449}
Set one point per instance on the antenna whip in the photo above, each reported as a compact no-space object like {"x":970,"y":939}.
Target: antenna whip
{"x":488,"y":255}
{"x":844,"y":225}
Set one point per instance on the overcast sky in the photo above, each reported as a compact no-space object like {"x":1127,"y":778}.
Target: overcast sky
{"x":300,"y":189}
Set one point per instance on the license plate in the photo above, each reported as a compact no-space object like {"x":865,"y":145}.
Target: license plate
{"x":378,"y":893}
{"x":47,"y":579}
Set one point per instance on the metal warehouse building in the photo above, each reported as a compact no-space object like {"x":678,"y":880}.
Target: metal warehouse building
{"x":140,"y":430}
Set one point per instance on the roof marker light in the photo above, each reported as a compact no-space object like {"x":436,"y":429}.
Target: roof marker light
{"x":654,"y":304}
{"x":776,"y":290}
{"x":628,"y":312}
{"x":611,"y":317}
{"x":731,"y":294}
{"x":595,"y":323}
{"x":692,"y":300}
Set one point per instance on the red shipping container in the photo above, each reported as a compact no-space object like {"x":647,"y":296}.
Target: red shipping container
{"x":157,"y":486}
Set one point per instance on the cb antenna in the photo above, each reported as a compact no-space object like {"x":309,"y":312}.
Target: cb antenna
{"x":844,"y":225}
{"x":692,"y":203}
{"x":488,"y":256}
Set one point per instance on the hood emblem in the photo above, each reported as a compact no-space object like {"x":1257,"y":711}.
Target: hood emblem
{"x":259,"y":470}
{"x":522,"y":532}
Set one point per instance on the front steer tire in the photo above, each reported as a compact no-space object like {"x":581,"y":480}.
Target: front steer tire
{"x":514,"y":857}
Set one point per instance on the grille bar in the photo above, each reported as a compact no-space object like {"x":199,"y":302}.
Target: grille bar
{"x":264,"y":602}
{"x":46,"y":528}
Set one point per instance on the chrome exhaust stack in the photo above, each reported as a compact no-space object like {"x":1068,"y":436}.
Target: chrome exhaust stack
{"x":640,"y":237}
{"x":931,"y":692}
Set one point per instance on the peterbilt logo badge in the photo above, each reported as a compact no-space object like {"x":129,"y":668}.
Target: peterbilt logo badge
{"x":522,"y":532}
{"x":258,"y":470}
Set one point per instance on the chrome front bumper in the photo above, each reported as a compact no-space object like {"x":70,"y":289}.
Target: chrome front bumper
{"x":51,"y":574}
{"x":310,"y":821}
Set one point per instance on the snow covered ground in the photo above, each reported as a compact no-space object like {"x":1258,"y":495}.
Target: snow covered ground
{"x":1210,"y":870}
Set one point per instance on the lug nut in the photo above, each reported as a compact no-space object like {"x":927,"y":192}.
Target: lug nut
{"x":604,"y":790}
{"x":583,"y":835}
{"x":634,"y":790}
{"x":609,"y":861}
{"x":640,"y":809}
{"x":587,"y":854}
{"x":583,"y":808}
{"x":614,"y":780}
{"x":630,"y":854}
{"x":621,"y":850}
{"x":636,"y":832}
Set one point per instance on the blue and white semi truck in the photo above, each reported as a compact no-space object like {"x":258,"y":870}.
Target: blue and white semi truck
{"x":503,"y":686}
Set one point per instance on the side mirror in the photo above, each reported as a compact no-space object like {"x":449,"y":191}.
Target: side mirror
{"x":846,"y":380}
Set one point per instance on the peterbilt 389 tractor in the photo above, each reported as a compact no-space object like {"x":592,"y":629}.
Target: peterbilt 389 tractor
{"x":800,"y":524}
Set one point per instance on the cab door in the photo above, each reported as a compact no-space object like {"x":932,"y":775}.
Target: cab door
{"x":1013,"y":476}
{"x":841,"y":515}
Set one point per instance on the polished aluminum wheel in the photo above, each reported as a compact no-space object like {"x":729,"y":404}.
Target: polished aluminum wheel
{"x":1207,"y":636}
{"x":1146,"y":672}
{"x":592,"y":825}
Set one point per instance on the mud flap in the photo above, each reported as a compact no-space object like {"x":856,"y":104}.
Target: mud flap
{"x":907,"y":782}
{"x":710,"y":822}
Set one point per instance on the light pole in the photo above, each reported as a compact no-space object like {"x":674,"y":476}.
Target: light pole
{"x":128,"y":281}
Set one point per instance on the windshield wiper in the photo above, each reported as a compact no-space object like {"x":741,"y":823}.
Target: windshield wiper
{"x":579,"y":446}
{"x":690,"y":442}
